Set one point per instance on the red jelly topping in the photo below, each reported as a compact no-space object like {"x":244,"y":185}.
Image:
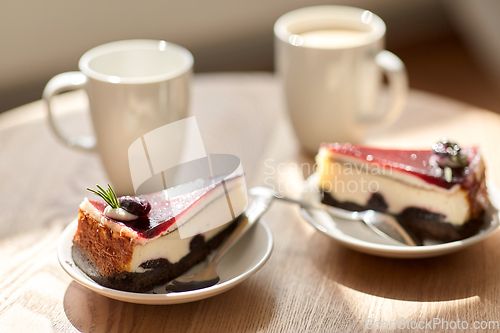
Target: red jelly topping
{"x":164,"y":212}
{"x":414,"y":162}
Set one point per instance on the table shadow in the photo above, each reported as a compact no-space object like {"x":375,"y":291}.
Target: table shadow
{"x":450,"y":277}
{"x":233,"y":310}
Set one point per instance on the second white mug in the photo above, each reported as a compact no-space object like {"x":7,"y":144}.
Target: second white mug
{"x":331,"y":59}
{"x":134,"y":87}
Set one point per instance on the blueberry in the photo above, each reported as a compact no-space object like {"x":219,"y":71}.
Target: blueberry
{"x":449,"y":154}
{"x":134,"y":205}
{"x":446,"y":148}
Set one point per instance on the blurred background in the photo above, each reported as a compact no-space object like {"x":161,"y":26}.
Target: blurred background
{"x":450,"y":47}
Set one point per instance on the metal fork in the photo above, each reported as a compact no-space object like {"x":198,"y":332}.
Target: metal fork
{"x":383,"y":224}
{"x":209,"y":277}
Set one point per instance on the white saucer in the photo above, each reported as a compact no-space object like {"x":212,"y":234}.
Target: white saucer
{"x":357,"y":236}
{"x":242,"y":261}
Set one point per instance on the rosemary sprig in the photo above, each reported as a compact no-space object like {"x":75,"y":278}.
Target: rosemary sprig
{"x":108,"y":195}
{"x":459,"y":158}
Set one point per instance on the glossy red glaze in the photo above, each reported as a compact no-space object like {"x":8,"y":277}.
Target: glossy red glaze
{"x":164,"y":212}
{"x":414,"y":162}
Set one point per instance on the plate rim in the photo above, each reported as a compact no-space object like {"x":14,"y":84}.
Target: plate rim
{"x":394,"y":251}
{"x":143,"y":298}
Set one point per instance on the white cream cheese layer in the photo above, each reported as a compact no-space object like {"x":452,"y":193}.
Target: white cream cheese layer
{"x":171,"y":247}
{"x":208,"y":223}
{"x":399,"y":189}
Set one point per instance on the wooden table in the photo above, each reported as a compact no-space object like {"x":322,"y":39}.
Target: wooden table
{"x":310,"y":283}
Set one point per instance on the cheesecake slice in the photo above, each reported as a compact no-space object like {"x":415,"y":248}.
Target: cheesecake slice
{"x":437,"y":194}
{"x":123,"y":251}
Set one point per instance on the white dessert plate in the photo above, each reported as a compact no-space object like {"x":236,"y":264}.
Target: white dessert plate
{"x":357,"y":236}
{"x":242,"y":261}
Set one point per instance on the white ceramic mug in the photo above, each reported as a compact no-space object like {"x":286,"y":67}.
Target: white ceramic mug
{"x":134,"y":87}
{"x":331,"y":60}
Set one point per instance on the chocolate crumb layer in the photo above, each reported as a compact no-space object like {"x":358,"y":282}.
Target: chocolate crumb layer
{"x":427,"y":225}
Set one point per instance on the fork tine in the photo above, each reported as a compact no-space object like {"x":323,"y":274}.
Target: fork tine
{"x":387,"y":226}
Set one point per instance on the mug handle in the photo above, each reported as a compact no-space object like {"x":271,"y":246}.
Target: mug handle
{"x":395,"y":71}
{"x":62,"y":83}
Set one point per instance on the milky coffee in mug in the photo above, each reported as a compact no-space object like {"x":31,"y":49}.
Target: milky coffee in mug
{"x":331,"y":60}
